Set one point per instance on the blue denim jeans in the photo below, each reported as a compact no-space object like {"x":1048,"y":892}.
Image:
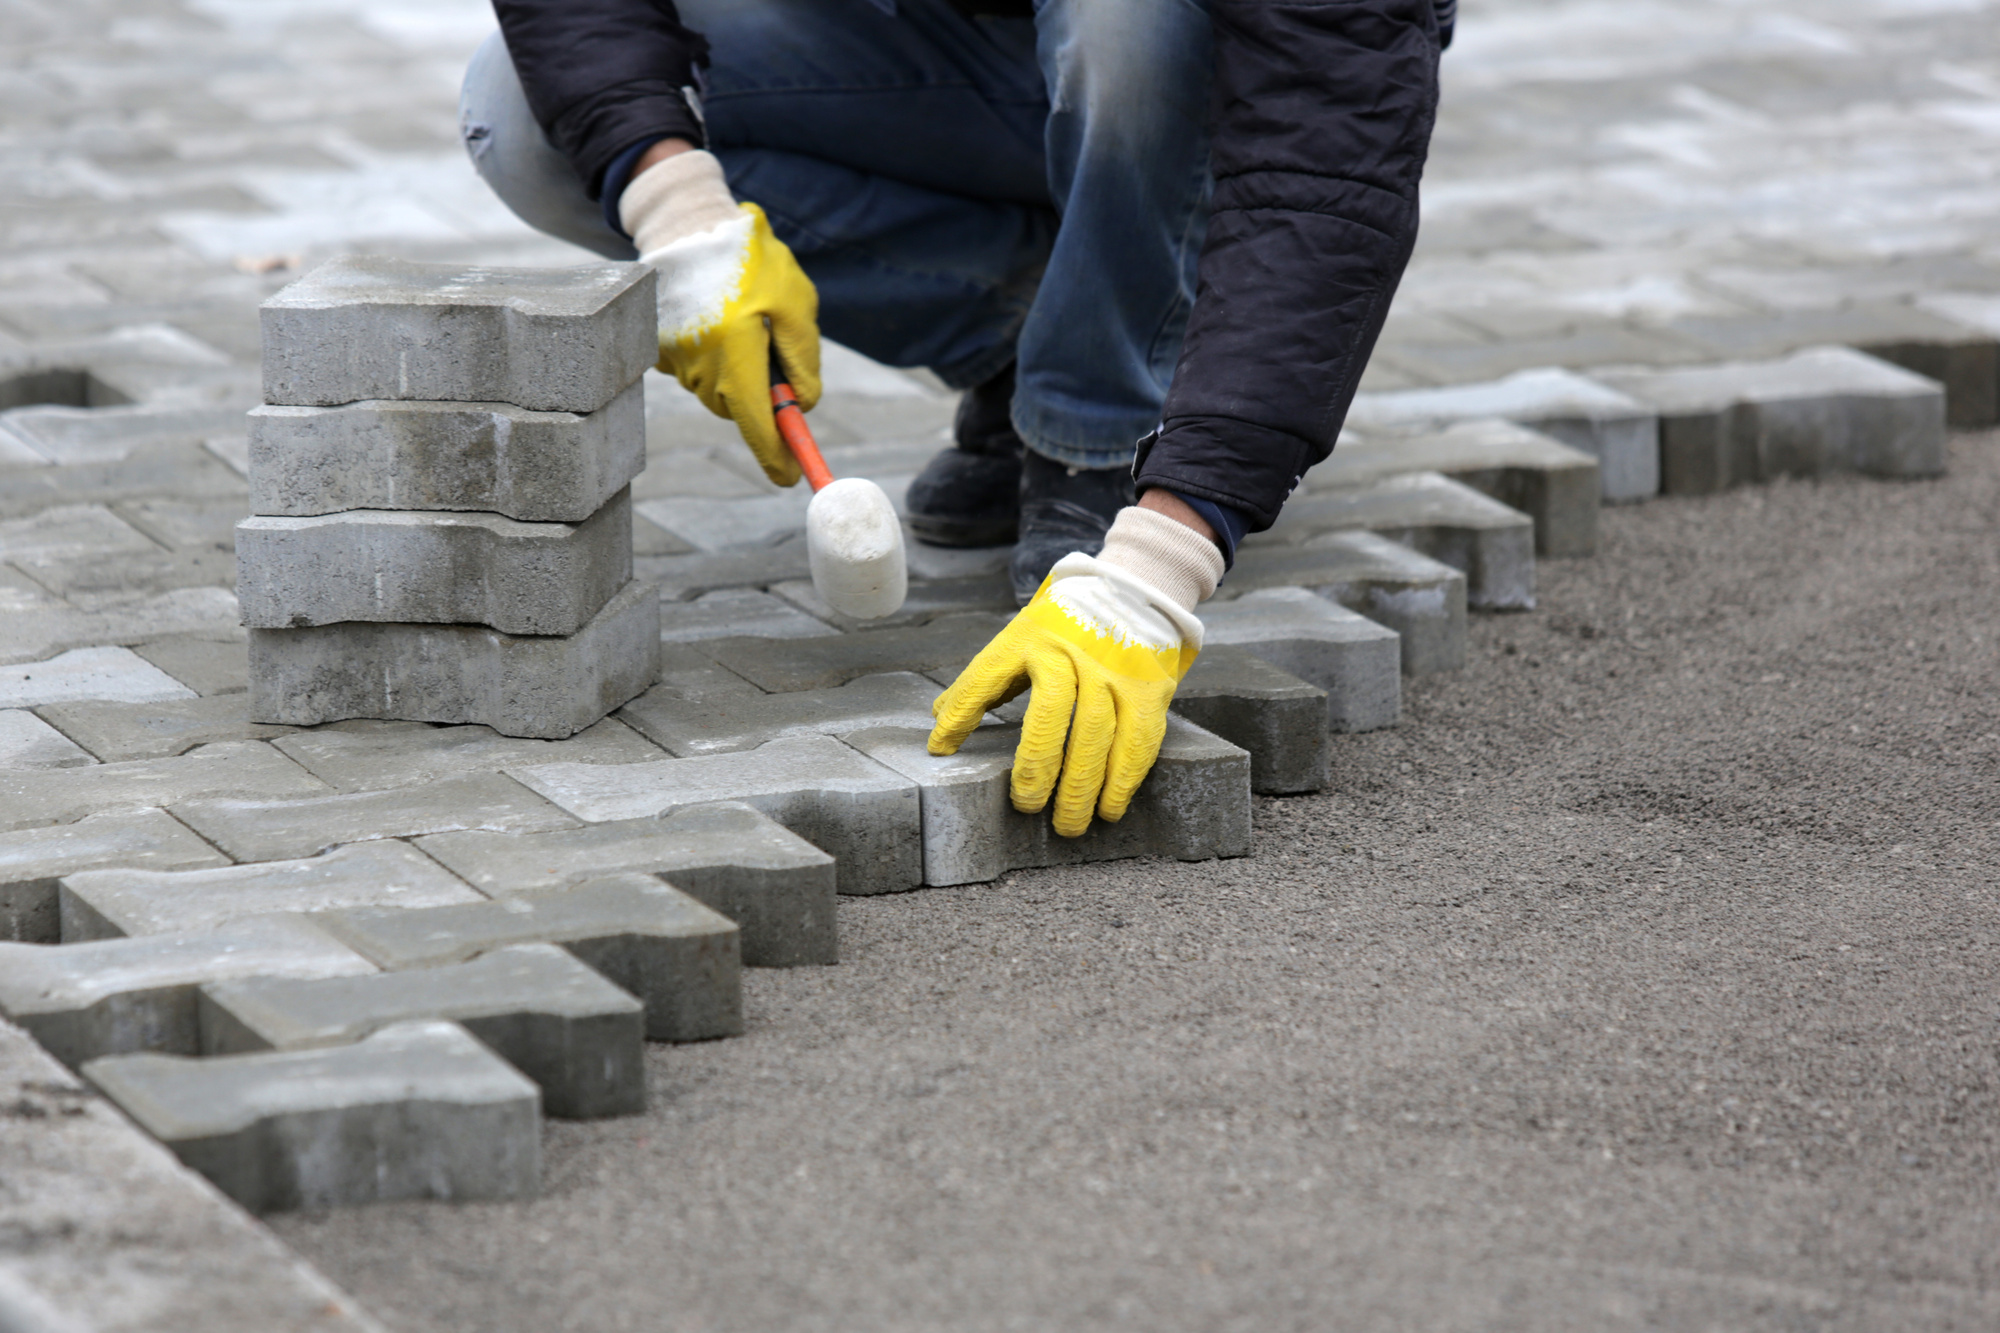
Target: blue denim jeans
{"x":963,"y":192}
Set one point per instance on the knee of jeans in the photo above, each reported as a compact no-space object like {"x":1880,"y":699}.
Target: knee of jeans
{"x":489,"y":77}
{"x":1127,"y":63}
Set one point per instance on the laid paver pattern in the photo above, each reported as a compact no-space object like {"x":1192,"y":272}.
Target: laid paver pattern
{"x":1667,"y":249}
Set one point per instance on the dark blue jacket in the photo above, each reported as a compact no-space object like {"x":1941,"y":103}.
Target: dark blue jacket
{"x":1322,"y":119}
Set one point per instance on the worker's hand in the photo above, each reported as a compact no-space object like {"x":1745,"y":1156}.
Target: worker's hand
{"x":729,"y":292}
{"x":1107,"y":639}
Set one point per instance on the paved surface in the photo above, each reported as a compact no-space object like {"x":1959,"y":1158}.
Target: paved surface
{"x":1641,"y":977}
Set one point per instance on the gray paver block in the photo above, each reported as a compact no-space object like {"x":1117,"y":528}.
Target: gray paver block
{"x":108,"y":904}
{"x":432,"y":567}
{"x":26,"y":741}
{"x":34,"y":861}
{"x":375,"y":756}
{"x":537,"y":686}
{"x":562,"y":1024}
{"x":550,"y":340}
{"x":70,"y":530}
{"x":538,"y":467}
{"x":744,"y":722}
{"x":1492,"y":544}
{"x":87,"y":673}
{"x":864,"y":816}
{"x":105,"y":997}
{"x":777,"y":887}
{"x":732,"y":611}
{"x":709,"y":524}
{"x":680,"y":958}
{"x":684,"y":577}
{"x":1353,"y":659}
{"x":1277,"y":718}
{"x":270,"y":830}
{"x":783,"y":666}
{"x":234,"y":768}
{"x":1547,"y":480}
{"x":1422,"y":599}
{"x":159,"y":730}
{"x":927,"y":600}
{"x":416,"y":1111}
{"x":1619,"y":431}
{"x":1824,"y":409}
{"x":208,"y":663}
{"x":145,"y":1244}
{"x":1194,"y":805}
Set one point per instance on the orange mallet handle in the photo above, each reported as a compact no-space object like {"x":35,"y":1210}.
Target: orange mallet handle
{"x":792,"y":428}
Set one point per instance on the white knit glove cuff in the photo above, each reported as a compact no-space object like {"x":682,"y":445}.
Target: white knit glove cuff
{"x":1164,"y":553}
{"x":682,"y":196}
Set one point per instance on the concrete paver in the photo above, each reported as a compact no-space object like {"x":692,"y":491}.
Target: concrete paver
{"x":415,"y":1111}
{"x":231,"y":768}
{"x":1421,"y":599}
{"x":681,"y":959}
{"x":33,"y":862}
{"x":1278,"y":719}
{"x":580,"y":1038}
{"x":271,"y":830}
{"x":157,"y":729}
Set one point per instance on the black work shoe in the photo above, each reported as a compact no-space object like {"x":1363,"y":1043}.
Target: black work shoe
{"x":970,"y":495}
{"x":1062,"y":510}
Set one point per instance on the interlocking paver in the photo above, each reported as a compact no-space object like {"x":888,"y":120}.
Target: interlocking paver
{"x":1620,"y":432}
{"x":744,"y":722}
{"x":550,"y":340}
{"x":1277,"y":718}
{"x":433,"y":567}
{"x":538,"y":467}
{"x":1547,"y":480}
{"x":233,"y":768}
{"x":1493,"y":544}
{"x":777,"y":887}
{"x":270,"y":830}
{"x":207,"y":663}
{"x":87,"y":673}
{"x":684,"y":577}
{"x":1193,"y":805}
{"x":92,"y":622}
{"x":782,"y":666}
{"x":722,"y":525}
{"x":681,"y":959}
{"x":580,"y":1038}
{"x":927,"y":600}
{"x":415,"y":1111}
{"x":1422,"y":599}
{"x":1354,"y":660}
{"x":544,"y":687}
{"x":374,"y":756}
{"x":105,"y":997}
{"x":26,"y":741}
{"x":70,"y":530}
{"x":33,"y":862}
{"x":1821,"y":410}
{"x":863,"y":815}
{"x":738,"y":611}
{"x":144,"y":1243}
{"x":159,"y":729}
{"x":108,"y":904}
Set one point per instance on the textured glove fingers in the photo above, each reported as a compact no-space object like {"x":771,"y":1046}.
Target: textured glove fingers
{"x":1038,"y":759}
{"x":995,"y":676}
{"x":745,"y":397}
{"x":1091,"y":734}
{"x":1142,"y":726}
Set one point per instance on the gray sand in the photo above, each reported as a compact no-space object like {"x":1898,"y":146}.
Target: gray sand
{"x":1645,"y":977}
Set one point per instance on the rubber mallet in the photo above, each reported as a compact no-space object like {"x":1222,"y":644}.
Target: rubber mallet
{"x":854,"y":540}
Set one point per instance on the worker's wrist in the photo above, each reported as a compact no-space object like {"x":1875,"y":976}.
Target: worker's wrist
{"x":682,"y":194}
{"x":1164,"y":553}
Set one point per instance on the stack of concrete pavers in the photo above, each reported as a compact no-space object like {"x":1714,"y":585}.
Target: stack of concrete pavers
{"x":440,"y":478}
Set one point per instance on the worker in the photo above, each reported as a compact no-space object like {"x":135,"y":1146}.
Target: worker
{"x":1154,"y":241}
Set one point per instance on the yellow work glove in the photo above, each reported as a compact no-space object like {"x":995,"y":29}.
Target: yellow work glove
{"x":1103,"y":645}
{"x":729,"y":292}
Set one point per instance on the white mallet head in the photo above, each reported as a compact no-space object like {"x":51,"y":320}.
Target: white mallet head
{"x":855,"y":543}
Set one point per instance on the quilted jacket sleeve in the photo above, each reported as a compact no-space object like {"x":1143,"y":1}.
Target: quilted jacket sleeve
{"x":1322,"y":122}
{"x":604,"y":75}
